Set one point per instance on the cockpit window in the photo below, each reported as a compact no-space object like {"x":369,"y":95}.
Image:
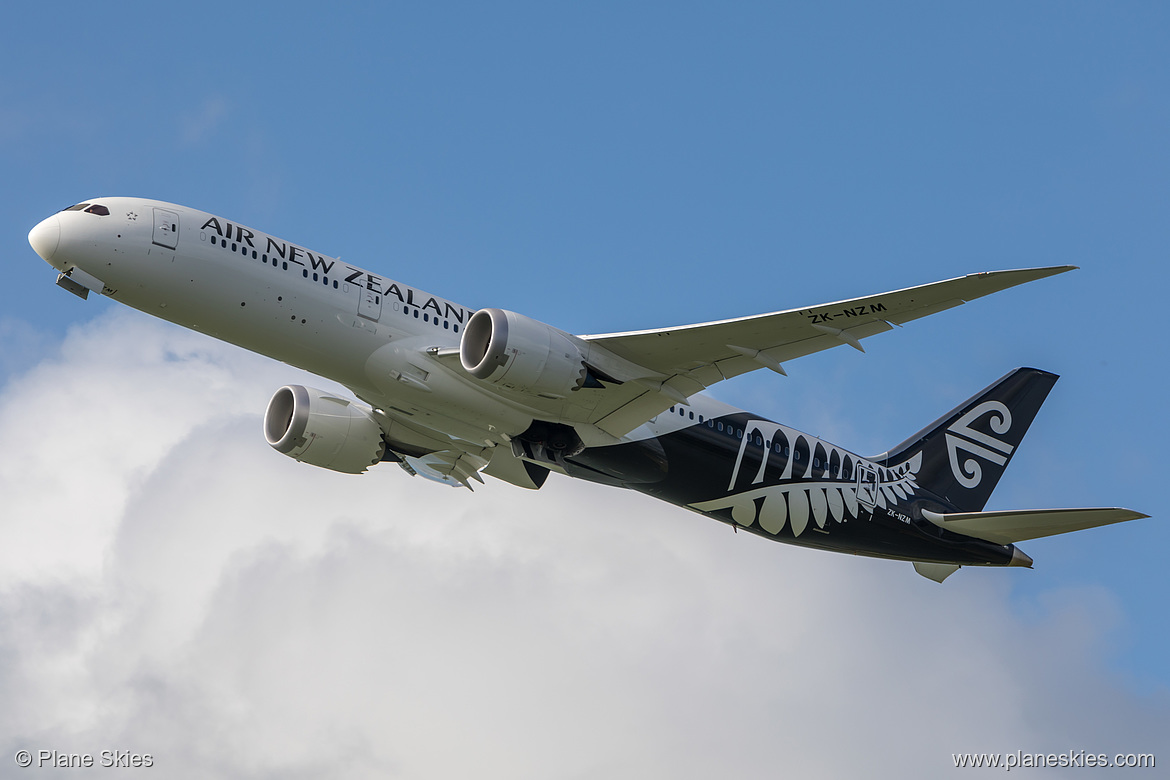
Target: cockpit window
{"x":95,"y":208}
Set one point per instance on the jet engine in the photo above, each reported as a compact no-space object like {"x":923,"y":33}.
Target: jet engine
{"x":522,"y":354}
{"x":322,"y":430}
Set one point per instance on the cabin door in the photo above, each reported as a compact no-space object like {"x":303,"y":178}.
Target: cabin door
{"x":166,"y":228}
{"x":369,"y":303}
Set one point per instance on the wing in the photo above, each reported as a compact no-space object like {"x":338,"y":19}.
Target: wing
{"x":684,"y":360}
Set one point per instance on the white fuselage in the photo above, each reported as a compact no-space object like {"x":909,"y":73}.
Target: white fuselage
{"x":372,"y":334}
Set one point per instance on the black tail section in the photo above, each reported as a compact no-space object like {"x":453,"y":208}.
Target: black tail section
{"x":964,"y":454}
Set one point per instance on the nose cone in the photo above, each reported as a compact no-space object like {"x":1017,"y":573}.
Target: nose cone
{"x":45,"y":237}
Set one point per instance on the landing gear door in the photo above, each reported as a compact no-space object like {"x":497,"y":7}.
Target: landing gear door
{"x":166,"y":228}
{"x":867,"y":486}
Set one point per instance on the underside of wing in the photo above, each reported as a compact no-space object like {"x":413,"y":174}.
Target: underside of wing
{"x":684,"y":360}
{"x":451,"y":467}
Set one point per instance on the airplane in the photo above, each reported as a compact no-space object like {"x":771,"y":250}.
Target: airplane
{"x":449,"y":393}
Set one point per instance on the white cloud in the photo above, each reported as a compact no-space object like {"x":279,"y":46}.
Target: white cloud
{"x":172,"y":586}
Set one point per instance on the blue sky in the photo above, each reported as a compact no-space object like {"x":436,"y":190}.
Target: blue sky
{"x":604,"y":167}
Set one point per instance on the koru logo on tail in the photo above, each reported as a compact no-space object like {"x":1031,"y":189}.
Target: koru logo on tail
{"x":961,"y":436}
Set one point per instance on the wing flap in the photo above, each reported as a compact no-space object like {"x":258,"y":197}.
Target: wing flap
{"x":451,"y":467}
{"x":924,"y":311}
{"x":633,"y":413}
{"x":1021,"y":525}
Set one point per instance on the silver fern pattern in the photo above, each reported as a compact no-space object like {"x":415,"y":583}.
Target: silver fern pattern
{"x":816,"y":481}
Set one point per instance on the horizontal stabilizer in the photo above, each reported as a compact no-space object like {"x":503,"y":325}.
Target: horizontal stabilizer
{"x":1020,"y":525}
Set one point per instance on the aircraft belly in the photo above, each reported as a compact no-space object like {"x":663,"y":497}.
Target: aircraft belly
{"x":311,"y":329}
{"x":239,"y":306}
{"x":403,"y":374}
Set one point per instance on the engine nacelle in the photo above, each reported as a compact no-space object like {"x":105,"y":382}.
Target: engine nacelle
{"x":322,"y":430}
{"x":522,"y":354}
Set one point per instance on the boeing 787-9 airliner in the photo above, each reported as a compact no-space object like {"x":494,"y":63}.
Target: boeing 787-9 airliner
{"x":449,"y":393}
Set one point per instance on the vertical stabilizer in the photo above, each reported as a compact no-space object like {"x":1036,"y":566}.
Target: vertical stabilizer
{"x":965,"y":452}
